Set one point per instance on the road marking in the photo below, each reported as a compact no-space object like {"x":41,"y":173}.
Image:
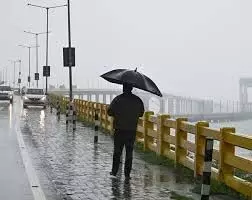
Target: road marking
{"x":37,"y":191}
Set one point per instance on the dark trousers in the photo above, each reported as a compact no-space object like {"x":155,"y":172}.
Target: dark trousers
{"x":123,"y":138}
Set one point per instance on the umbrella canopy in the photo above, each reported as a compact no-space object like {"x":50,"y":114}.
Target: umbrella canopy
{"x":134,"y":78}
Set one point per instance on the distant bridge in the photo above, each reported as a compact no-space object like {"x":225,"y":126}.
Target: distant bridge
{"x":177,"y":106}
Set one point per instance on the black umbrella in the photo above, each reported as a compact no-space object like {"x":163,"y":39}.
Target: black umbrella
{"x":134,"y":78}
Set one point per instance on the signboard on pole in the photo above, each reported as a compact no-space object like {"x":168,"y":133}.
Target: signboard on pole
{"x":36,"y":76}
{"x":66,"y":57}
{"x":29,"y":79}
{"x":46,"y":71}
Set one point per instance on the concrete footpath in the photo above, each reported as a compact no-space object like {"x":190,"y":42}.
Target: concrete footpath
{"x":14,"y":184}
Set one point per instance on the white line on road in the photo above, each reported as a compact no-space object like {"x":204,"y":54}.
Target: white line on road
{"x":37,"y":191}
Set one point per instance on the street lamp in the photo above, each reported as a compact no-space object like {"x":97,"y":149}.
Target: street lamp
{"x":29,"y":47}
{"x":2,"y":76}
{"x":19,"y":74}
{"x":14,"y":70}
{"x":36,"y":35}
{"x":5,"y":69}
{"x":70,"y":53}
{"x":47,"y":24}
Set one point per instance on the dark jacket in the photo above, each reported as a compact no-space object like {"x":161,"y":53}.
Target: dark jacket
{"x":126,"y":109}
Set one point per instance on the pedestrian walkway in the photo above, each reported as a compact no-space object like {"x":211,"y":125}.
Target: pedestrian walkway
{"x":14,"y":184}
{"x":80,"y":170}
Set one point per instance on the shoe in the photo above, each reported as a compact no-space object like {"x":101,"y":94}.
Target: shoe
{"x":127,"y":178}
{"x":112,"y":175}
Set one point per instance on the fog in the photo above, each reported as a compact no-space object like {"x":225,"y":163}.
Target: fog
{"x":192,"y":48}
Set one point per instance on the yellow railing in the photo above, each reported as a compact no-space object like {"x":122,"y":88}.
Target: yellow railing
{"x":169,"y":137}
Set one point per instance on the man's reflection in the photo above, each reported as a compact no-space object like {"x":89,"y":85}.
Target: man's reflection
{"x":115,"y":186}
{"x":127,"y":190}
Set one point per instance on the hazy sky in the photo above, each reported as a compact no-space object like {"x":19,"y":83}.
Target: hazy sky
{"x":192,"y":48}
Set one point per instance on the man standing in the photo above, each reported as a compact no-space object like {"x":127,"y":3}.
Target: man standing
{"x":126,"y":109}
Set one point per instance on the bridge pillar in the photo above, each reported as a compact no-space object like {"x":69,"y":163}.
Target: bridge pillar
{"x":89,"y":97}
{"x":187,"y":106}
{"x":183,"y":104}
{"x":178,"y":106}
{"x":170,"y":106}
{"x":202,"y":106}
{"x":197,"y":107}
{"x":110,"y":98}
{"x":104,"y":99}
{"x":191,"y":106}
{"x":97,"y":98}
{"x":210,"y":106}
{"x":162,"y":103}
{"x":244,"y":84}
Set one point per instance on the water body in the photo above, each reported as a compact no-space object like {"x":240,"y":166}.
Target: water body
{"x":241,"y":127}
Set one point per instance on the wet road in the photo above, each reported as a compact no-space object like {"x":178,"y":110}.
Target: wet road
{"x":79,"y":169}
{"x":13,"y":180}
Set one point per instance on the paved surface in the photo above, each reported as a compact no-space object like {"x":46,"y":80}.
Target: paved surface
{"x":14,"y":184}
{"x":80,"y":170}
{"x":70,"y":166}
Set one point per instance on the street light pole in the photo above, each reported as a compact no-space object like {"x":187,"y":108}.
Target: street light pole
{"x":70,"y":54}
{"x":36,"y":35}
{"x":47,"y":25}
{"x":19,"y":75}
{"x":6,"y":72}
{"x":29,"y":79}
{"x":14,"y":70}
{"x":29,"y":47}
{"x":14,"y":74}
{"x":37,"y":57}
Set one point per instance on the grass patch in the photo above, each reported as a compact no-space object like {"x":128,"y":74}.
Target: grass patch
{"x":185,"y":175}
{"x":176,"y":196}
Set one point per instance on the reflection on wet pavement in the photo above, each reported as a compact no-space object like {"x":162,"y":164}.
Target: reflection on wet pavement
{"x":80,"y":170}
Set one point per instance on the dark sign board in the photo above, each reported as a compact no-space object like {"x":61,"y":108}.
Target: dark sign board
{"x":66,"y":57}
{"x":46,"y":71}
{"x":36,"y":76}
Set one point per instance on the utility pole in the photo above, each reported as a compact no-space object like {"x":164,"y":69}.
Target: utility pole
{"x":14,"y":71}
{"x":29,"y":58}
{"x":70,"y":53}
{"x":46,"y":68}
{"x":36,"y":36}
